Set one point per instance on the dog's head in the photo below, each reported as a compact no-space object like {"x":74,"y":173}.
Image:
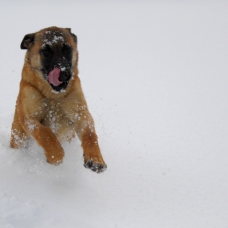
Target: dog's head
{"x":52,"y":52}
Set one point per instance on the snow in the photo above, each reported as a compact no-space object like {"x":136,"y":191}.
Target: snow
{"x":31,"y":124}
{"x":155,"y":78}
{"x":49,"y":40}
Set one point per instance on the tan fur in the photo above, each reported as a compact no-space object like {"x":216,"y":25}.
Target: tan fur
{"x":50,"y":117}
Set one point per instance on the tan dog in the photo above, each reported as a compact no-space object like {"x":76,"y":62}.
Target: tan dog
{"x":51,"y":106}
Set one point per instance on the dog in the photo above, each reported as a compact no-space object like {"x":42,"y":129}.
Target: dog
{"x":51,"y":106}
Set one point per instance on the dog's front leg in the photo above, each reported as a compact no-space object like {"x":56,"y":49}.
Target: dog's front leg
{"x":86,"y":132}
{"x":46,"y":139}
{"x":92,"y":155}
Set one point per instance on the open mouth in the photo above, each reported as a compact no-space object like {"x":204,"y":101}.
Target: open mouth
{"x":54,"y":79}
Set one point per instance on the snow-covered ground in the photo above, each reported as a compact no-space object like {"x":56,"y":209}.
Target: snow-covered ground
{"x":155,"y":77}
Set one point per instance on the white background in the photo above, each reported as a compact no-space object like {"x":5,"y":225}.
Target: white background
{"x":155,"y":77}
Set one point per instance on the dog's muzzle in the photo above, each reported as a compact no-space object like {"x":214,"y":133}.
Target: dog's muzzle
{"x":58,"y":79}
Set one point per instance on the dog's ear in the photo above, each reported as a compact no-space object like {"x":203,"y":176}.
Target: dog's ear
{"x":28,"y":39}
{"x":73,"y":35}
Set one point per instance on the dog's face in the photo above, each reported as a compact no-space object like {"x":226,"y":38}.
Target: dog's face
{"x":53,"y":53}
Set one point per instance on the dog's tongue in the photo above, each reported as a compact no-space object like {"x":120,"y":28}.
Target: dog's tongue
{"x":53,"y":77}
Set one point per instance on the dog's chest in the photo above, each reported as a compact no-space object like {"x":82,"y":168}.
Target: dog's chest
{"x":57,"y":118}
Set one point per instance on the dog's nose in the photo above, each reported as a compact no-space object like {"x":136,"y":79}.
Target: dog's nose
{"x":64,"y":76}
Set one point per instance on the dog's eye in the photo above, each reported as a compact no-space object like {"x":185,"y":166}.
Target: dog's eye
{"x":46,"y":53}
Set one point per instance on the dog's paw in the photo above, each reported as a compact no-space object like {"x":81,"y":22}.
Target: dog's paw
{"x":54,"y":162}
{"x":95,"y":166}
{"x":55,"y":159}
